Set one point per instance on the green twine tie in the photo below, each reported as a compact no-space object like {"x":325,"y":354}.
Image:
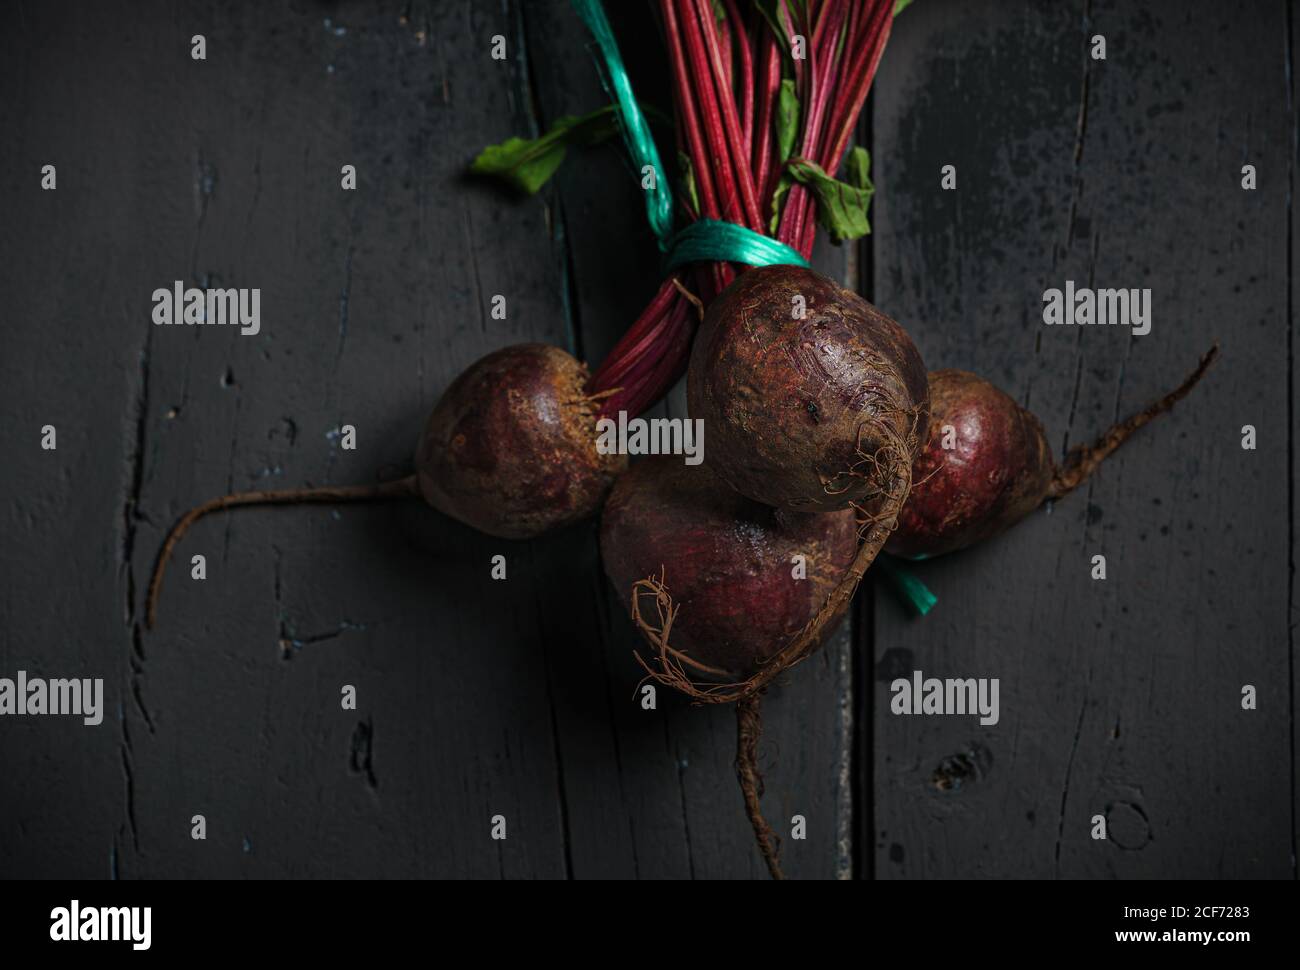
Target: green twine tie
{"x":636,"y":132}
{"x":708,"y":240}
{"x":906,"y":584}
{"x":705,"y":240}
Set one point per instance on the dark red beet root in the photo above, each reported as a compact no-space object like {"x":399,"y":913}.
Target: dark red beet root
{"x":726,"y":560}
{"x":802,"y":413}
{"x":511,"y":447}
{"x":1000,"y":466}
{"x":996,"y":473}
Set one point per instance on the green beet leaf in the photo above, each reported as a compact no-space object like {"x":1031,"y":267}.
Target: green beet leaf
{"x":528,"y":163}
{"x":841,"y":206}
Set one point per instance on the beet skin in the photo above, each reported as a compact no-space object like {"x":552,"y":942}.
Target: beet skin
{"x":726,"y":561}
{"x":997,"y":471}
{"x":511,"y":446}
{"x":795,"y":409}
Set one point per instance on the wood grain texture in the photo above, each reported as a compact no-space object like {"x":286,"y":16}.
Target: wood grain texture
{"x":1119,"y":698}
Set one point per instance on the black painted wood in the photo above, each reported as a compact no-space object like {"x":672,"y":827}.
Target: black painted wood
{"x":1120,"y":697}
{"x":480,"y":697}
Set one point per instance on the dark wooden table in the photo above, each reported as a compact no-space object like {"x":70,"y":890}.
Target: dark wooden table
{"x":476,"y":698}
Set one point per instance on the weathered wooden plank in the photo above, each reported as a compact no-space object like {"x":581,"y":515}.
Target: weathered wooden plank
{"x":653,"y":794}
{"x":1293,"y":36}
{"x":1122,"y":697}
{"x":70,"y":360}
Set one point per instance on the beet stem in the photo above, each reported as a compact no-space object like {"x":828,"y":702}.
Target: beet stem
{"x":710,"y":111}
{"x":733,"y":140}
{"x":769,"y":82}
{"x":687,"y":113}
{"x":749,"y":728}
{"x":401,"y":488}
{"x":1083,"y":460}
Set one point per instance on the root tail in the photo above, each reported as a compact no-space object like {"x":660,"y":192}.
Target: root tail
{"x":749,"y":728}
{"x":401,"y":488}
{"x":1083,"y":460}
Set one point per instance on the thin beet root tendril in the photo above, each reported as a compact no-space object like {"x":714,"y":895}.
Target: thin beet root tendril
{"x":1083,"y":460}
{"x":329,"y":494}
{"x":749,"y":728}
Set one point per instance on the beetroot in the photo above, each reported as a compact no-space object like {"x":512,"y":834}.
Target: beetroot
{"x":736,"y":607}
{"x":510,"y":449}
{"x":802,"y":413}
{"x":999,"y":467}
{"x":728,"y":561}
{"x":813,"y":401}
{"x":997,"y":472}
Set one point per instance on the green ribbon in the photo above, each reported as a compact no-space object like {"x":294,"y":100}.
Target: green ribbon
{"x":636,"y":132}
{"x":907,"y":585}
{"x":708,"y":240}
{"x":705,"y":240}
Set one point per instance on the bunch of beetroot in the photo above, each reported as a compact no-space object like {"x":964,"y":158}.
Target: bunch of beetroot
{"x":823,"y":426}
